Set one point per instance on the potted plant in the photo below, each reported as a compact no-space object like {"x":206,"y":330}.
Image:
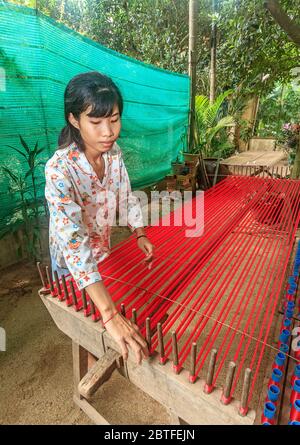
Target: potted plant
{"x":177,"y":166}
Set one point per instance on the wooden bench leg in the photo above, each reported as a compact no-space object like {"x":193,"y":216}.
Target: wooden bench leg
{"x":80,"y":366}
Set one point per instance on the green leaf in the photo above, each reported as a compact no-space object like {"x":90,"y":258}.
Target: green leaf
{"x":40,"y":150}
{"x":19,"y":151}
{"x":24,"y":144}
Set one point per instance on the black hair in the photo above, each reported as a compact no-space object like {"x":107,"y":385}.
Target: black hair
{"x":85,"y":90}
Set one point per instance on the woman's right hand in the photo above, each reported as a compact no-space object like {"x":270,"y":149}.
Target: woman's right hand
{"x":126,"y":334}
{"x":122,"y":330}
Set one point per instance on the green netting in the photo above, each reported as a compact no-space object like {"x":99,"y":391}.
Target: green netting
{"x":38,"y":57}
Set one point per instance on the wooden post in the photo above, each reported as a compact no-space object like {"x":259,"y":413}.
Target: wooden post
{"x":193,"y":22}
{"x":226,"y":398}
{"x":296,"y":166}
{"x":213,"y":57}
{"x":80,"y":365}
{"x":208,"y":387}
{"x":243,"y":409}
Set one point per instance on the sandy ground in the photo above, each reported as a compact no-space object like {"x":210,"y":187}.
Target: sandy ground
{"x":36,"y":369}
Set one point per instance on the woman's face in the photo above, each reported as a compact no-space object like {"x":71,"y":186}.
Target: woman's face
{"x":98,"y":133}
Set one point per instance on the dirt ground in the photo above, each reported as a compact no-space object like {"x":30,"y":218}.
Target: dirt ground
{"x":36,"y":369}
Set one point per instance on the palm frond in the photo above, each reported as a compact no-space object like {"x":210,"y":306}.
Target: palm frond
{"x":213,"y":110}
{"x":226,"y":121}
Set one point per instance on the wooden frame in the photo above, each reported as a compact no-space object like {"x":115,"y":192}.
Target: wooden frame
{"x":186,"y":402}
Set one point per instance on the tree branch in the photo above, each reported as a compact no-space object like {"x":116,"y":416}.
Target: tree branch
{"x":289,"y":26}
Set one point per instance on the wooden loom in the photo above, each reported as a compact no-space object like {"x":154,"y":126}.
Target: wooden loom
{"x":207,"y":307}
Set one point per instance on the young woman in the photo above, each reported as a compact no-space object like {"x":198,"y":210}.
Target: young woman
{"x":82,"y":178}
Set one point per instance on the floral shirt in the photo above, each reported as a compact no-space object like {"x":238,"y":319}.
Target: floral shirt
{"x":81,"y":208}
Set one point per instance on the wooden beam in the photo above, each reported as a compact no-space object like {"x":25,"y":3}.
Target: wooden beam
{"x":90,"y":411}
{"x":80,"y":365}
{"x":99,"y":373}
{"x":172,"y":390}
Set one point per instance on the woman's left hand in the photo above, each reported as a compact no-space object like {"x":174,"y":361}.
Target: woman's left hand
{"x":146,"y":247}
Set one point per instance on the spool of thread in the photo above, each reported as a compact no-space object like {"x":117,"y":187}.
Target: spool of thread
{"x":273,"y":393}
{"x":289,"y":313}
{"x":296,"y":375}
{"x":293,"y":287}
{"x":279,"y":361}
{"x":284,"y":348}
{"x":295,"y":411}
{"x":287,"y":323}
{"x":295,"y":394}
{"x":288,"y":305}
{"x":269,"y":413}
{"x":291,"y":293}
{"x":276,"y":377}
{"x":284,"y":335}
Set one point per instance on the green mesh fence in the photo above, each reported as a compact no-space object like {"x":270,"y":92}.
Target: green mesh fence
{"x":38,"y":57}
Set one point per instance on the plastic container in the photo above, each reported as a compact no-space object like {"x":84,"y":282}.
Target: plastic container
{"x":273,"y":393}
{"x":295,"y":411}
{"x":295,"y":394}
{"x":279,"y":360}
{"x":276,"y":377}
{"x":269,"y":413}
{"x":296,"y":375}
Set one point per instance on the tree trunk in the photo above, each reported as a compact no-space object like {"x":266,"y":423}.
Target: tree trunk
{"x":193,"y":30}
{"x":289,"y":26}
{"x":213,"y":60}
{"x":296,"y":166}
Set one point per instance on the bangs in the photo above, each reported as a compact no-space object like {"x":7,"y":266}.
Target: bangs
{"x":102,"y":103}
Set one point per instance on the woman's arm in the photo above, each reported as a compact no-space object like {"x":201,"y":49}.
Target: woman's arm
{"x":120,"y":328}
{"x":73,"y":240}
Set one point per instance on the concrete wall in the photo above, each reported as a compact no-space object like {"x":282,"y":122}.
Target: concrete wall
{"x":13,"y":246}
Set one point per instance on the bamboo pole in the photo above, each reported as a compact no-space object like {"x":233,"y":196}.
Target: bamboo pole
{"x":192,"y":61}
